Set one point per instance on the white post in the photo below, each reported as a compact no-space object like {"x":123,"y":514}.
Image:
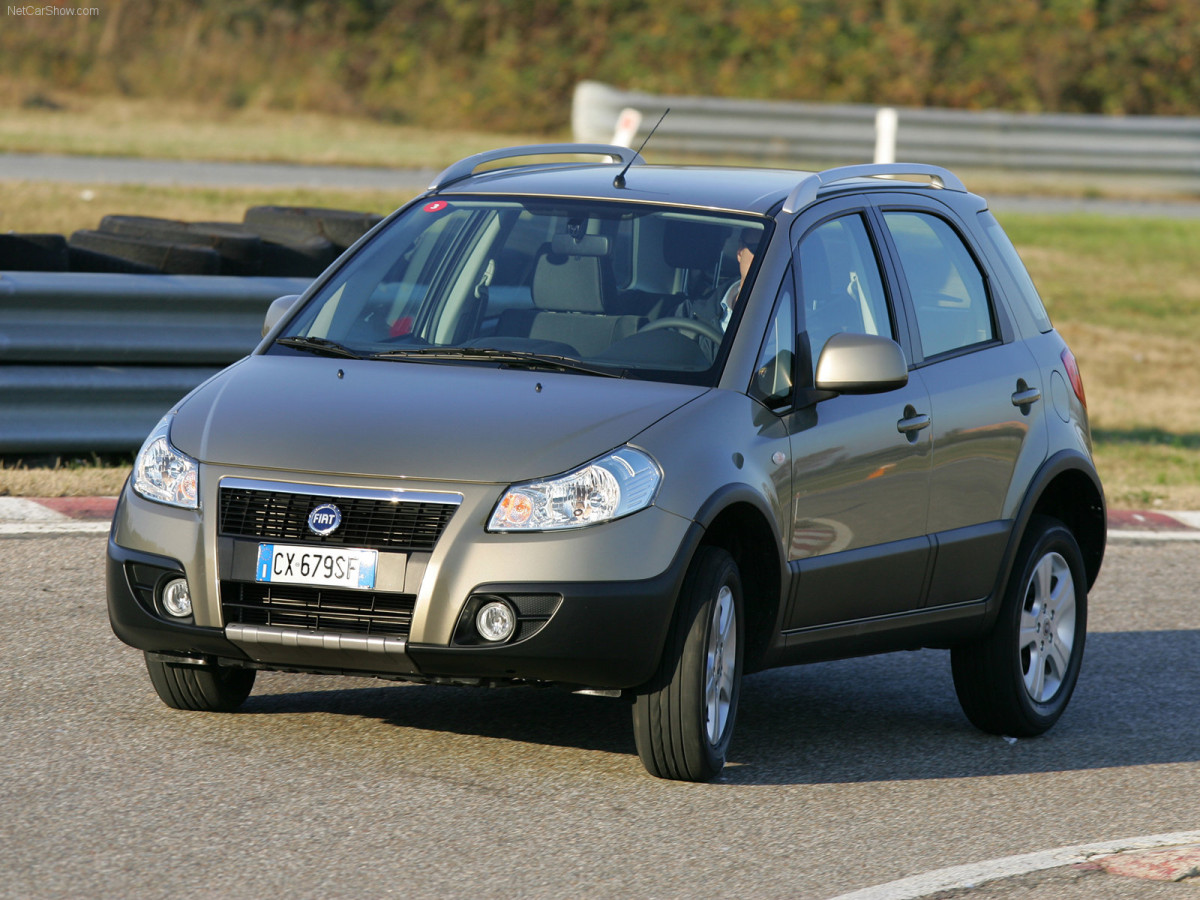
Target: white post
{"x":886,"y":122}
{"x":628,"y":123}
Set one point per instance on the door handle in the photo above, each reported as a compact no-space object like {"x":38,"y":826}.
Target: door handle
{"x":1025,"y":396}
{"x":912,"y":422}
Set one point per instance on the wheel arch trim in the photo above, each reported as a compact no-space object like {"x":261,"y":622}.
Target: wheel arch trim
{"x":736,"y":518}
{"x":1063,"y":474}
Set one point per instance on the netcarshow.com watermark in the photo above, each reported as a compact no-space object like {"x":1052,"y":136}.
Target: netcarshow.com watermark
{"x":53,"y":10}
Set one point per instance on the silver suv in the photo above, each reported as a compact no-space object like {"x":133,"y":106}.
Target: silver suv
{"x":635,"y":431}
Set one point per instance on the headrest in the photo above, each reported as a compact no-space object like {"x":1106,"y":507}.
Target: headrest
{"x":568,"y":283}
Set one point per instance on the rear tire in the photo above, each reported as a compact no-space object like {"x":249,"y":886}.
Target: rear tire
{"x":683,"y":719}
{"x":1018,"y":679}
{"x":207,"y":688}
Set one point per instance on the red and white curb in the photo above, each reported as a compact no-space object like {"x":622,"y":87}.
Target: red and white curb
{"x":1134,"y":525}
{"x":1161,"y":857}
{"x":56,"y":515}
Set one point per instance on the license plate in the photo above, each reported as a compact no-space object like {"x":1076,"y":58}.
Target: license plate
{"x":326,"y":566}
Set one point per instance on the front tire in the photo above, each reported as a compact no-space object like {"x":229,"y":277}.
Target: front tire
{"x":201,"y":688}
{"x":683,"y":719}
{"x":1018,"y":679}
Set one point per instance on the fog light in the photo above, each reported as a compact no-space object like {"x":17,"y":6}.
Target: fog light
{"x":176,"y":598}
{"x":495,"y":621}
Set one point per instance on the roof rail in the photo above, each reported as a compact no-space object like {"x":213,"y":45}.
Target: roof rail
{"x":465,"y":168}
{"x":806,"y":191}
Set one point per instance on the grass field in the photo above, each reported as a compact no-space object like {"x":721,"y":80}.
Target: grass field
{"x":1126,"y":295}
{"x":60,"y":208}
{"x":101,"y":126}
{"x":1124,"y":292}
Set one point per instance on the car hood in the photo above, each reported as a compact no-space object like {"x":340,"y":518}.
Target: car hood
{"x":415,"y":420}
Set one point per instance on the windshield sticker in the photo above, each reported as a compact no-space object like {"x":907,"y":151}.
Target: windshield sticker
{"x":436,"y":206}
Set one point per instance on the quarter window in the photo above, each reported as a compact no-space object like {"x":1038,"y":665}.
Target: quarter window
{"x":773,"y":372}
{"x":949,"y":295}
{"x":1026,"y":292}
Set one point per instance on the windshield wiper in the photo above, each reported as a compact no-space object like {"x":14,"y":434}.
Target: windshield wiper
{"x":514,"y":358}
{"x":319,"y":345}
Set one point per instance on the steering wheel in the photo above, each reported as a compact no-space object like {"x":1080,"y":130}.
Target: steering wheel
{"x":696,"y":326}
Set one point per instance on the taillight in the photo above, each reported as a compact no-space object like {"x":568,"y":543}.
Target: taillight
{"x":1076,"y":379}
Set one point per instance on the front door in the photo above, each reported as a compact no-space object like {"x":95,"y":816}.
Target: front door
{"x":860,"y":464}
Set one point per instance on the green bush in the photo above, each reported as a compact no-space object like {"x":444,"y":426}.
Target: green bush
{"x":511,"y":65}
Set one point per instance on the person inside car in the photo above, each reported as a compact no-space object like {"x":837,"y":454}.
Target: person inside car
{"x":747,"y":239}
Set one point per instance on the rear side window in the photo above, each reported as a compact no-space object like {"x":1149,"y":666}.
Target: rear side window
{"x":949,"y":294}
{"x":1012,"y":261}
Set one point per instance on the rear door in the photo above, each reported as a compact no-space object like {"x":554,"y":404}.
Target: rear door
{"x":985,"y":390}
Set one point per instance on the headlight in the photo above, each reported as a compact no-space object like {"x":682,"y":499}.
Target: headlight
{"x":162,"y":473}
{"x":612,"y":486}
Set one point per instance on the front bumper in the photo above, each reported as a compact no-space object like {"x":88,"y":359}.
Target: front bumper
{"x":598,"y":632}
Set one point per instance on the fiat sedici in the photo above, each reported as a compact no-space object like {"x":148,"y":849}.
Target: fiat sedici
{"x":571,"y":419}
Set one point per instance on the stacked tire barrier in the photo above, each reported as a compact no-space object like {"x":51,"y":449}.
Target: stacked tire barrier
{"x":278,"y":241}
{"x":101,"y":333}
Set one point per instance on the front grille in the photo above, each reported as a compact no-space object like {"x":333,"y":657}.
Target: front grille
{"x":317,"y":609}
{"x":371,"y":523}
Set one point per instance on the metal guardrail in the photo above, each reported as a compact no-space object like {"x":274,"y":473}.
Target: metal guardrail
{"x":87,"y":409}
{"x":89,"y":362}
{"x":1160,"y":146}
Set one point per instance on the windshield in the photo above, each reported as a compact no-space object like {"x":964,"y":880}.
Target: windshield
{"x":583,"y":286}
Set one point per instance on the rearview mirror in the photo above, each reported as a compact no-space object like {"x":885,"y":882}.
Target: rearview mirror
{"x":861,"y":364}
{"x":579,"y":245}
{"x":277,"y":310}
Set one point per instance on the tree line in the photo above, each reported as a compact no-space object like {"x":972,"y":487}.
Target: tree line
{"x":511,"y":65}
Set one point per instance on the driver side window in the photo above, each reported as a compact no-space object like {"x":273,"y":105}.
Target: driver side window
{"x":841,"y":289}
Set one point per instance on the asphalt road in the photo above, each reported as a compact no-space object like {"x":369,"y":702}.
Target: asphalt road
{"x":842,"y":776}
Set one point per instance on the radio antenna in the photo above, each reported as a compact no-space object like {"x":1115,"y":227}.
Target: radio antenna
{"x":619,"y":181}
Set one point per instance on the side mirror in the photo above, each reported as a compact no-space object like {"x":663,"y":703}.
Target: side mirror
{"x":861,"y":364}
{"x":277,"y":310}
